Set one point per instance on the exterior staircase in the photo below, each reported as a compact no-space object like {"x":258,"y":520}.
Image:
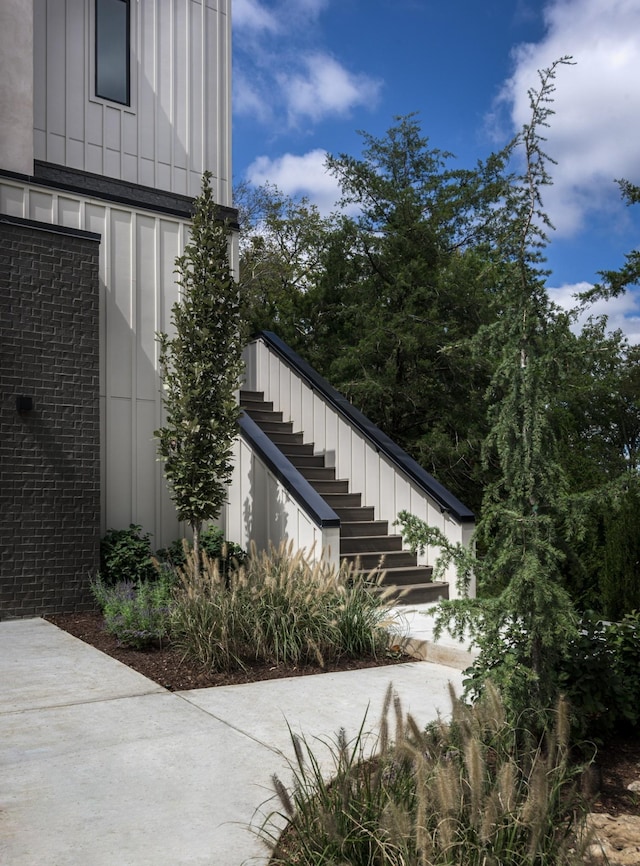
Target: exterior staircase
{"x":364,"y":541}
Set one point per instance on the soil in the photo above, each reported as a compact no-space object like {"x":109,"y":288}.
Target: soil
{"x":618,"y":760}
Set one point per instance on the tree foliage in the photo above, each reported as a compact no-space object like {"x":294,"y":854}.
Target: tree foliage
{"x":424,"y":301}
{"x":200,"y":367}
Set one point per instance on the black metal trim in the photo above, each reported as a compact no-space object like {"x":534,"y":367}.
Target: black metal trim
{"x":297,"y":485}
{"x":53,"y":228}
{"x":445,"y":499}
{"x":119,"y":191}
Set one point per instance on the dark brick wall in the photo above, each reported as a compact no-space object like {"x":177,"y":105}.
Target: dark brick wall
{"x":50,"y":456}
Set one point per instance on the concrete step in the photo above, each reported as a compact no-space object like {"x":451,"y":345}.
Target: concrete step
{"x":359,"y":528}
{"x":382,"y":560}
{"x":324,"y":488}
{"x":342,"y":500}
{"x":369,"y":543}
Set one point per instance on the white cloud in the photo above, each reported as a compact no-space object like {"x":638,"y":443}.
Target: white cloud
{"x":622,"y":313}
{"x":282,"y":77}
{"x":295,"y":176}
{"x":248,"y":99}
{"x":324,"y":88}
{"x":251,"y":15}
{"x":595,"y":132}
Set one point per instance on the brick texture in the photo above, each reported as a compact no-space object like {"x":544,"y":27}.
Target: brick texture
{"x":50,"y":456}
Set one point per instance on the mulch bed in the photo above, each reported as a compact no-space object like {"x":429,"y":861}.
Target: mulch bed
{"x":167,"y":666}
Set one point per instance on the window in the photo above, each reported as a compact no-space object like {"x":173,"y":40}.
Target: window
{"x":113,"y":76}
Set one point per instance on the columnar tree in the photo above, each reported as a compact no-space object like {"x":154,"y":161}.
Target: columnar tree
{"x":200,"y":367}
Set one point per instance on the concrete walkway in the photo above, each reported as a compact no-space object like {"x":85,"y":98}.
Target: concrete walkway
{"x":99,"y":766}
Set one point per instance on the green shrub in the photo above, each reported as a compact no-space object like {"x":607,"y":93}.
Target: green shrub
{"x":601,"y":676}
{"x":278,"y":608}
{"x":125,"y":555}
{"x":137,"y":614}
{"x":228,"y":554}
{"x":463,"y":792}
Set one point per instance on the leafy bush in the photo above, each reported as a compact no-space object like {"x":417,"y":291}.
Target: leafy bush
{"x":278,"y":608}
{"x":463,"y":792}
{"x":228,"y":554}
{"x":601,"y":676}
{"x":125,"y":555}
{"x":138,"y":614}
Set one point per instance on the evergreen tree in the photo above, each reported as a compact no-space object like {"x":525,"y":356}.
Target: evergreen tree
{"x":526,"y":617}
{"x":200,"y":367}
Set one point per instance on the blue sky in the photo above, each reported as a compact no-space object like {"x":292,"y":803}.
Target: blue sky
{"x":309,"y":73}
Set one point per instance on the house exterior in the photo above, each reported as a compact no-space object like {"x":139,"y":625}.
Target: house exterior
{"x":110,"y":111}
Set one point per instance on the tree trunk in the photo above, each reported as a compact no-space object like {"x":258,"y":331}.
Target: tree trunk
{"x":196,"y":526}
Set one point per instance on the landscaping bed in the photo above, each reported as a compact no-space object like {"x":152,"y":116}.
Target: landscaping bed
{"x":169,"y":668}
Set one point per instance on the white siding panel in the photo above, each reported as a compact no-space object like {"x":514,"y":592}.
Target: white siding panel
{"x":181,"y":59}
{"x":163,"y":175}
{"x":146,"y":82}
{"x":56,"y":148}
{"x":129,"y":133}
{"x":39,"y":144}
{"x":69,"y":212}
{"x":75,"y":154}
{"x":112,"y":121}
{"x":180,"y":178}
{"x":75,"y":75}
{"x":146,"y":299}
{"x":95,"y":157}
{"x":56,"y":70}
{"x":130,"y":168}
{"x":119,"y":305}
{"x":146,"y":469}
{"x":41,"y":207}
{"x":179,"y":116}
{"x":196,"y":73}
{"x":119,"y":463}
{"x":170,"y":245}
{"x":40,"y":76}
{"x":12,"y":200}
{"x":95,"y":123}
{"x":112,"y":161}
{"x":164,"y":88}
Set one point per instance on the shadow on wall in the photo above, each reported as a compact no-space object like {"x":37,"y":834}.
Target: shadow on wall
{"x":264,"y":508}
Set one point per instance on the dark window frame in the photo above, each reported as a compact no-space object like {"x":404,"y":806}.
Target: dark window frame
{"x":96,"y":48}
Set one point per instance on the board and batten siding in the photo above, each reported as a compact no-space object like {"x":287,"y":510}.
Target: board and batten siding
{"x":137,"y":290}
{"x":179,"y":120}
